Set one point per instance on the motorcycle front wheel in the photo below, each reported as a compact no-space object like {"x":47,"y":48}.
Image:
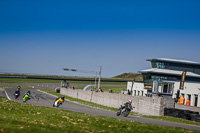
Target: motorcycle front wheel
{"x":125,"y":113}
{"x":118,"y":113}
{"x":58,"y":104}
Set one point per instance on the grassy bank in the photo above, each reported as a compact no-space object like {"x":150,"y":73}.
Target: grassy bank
{"x":19,"y":117}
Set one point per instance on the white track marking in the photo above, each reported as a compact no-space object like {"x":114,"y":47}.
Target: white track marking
{"x":7,"y":94}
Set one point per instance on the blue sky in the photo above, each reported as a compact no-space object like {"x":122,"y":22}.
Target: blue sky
{"x":42,"y":37}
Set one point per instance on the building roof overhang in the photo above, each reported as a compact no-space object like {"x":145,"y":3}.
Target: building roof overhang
{"x":169,"y":72}
{"x":174,"y":61}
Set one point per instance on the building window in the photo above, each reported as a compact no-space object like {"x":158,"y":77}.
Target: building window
{"x":167,"y":88}
{"x":189,"y":97}
{"x":161,"y":65}
{"x":195,"y":100}
{"x":170,"y":88}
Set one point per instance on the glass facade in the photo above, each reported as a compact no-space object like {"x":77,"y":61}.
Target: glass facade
{"x":160,"y":65}
{"x":176,"y":66}
{"x":156,"y":77}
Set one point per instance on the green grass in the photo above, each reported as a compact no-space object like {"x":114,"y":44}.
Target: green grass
{"x":163,"y":118}
{"x":18,"y":80}
{"x":19,"y":117}
{"x":173,"y":119}
{"x":21,"y":80}
{"x":115,"y":89}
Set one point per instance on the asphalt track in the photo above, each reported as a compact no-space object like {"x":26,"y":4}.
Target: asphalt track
{"x":44,"y":99}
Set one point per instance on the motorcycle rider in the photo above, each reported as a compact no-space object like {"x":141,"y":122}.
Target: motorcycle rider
{"x":125,"y":109}
{"x":17,"y":92}
{"x":19,"y":87}
{"x":61,"y":99}
{"x":127,"y":103}
{"x":26,"y":96}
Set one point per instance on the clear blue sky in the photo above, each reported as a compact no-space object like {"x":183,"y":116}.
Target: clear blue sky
{"x":42,"y":37}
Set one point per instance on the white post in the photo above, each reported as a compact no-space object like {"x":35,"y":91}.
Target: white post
{"x":99,"y":78}
{"x":95,"y":80}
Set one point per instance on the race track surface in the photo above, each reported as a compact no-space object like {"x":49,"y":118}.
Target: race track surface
{"x":47,"y":100}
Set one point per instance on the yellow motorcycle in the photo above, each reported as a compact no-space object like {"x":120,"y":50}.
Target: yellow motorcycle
{"x":58,"y":101}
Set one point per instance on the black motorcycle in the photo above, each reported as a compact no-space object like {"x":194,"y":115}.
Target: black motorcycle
{"x":17,"y":94}
{"x":124,"y":110}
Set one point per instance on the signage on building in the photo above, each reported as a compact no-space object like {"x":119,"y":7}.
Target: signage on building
{"x":148,"y":87}
{"x":182,"y":79}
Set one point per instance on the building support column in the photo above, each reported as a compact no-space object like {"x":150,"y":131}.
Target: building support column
{"x":186,"y":97}
{"x":192,"y":100}
{"x":198,"y":104}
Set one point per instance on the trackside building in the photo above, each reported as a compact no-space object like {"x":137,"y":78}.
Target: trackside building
{"x":164,"y":78}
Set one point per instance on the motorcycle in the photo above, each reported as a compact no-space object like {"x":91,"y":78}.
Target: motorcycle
{"x":16,"y":95}
{"x":124,"y":110}
{"x":58,"y":102}
{"x":26,"y":97}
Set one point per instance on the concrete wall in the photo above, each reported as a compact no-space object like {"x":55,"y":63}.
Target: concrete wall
{"x":143,"y":105}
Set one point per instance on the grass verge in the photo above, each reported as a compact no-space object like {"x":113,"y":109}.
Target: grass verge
{"x":19,"y":117}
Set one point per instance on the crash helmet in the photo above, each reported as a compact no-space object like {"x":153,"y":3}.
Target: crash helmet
{"x":18,"y":87}
{"x":29,"y":92}
{"x":62,"y":97}
{"x":130,"y":101}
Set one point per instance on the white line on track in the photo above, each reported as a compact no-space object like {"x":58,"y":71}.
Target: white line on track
{"x":7,"y":94}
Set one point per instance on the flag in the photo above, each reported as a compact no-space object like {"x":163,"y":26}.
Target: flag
{"x":132,"y":85}
{"x":182,"y":79}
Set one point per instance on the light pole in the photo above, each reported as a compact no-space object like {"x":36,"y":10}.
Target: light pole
{"x":75,"y":70}
{"x":99,"y":78}
{"x":95,"y":80}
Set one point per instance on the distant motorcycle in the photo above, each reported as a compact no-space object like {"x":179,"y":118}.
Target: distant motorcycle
{"x":124,"y":110}
{"x":17,"y":93}
{"x":58,"y":102}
